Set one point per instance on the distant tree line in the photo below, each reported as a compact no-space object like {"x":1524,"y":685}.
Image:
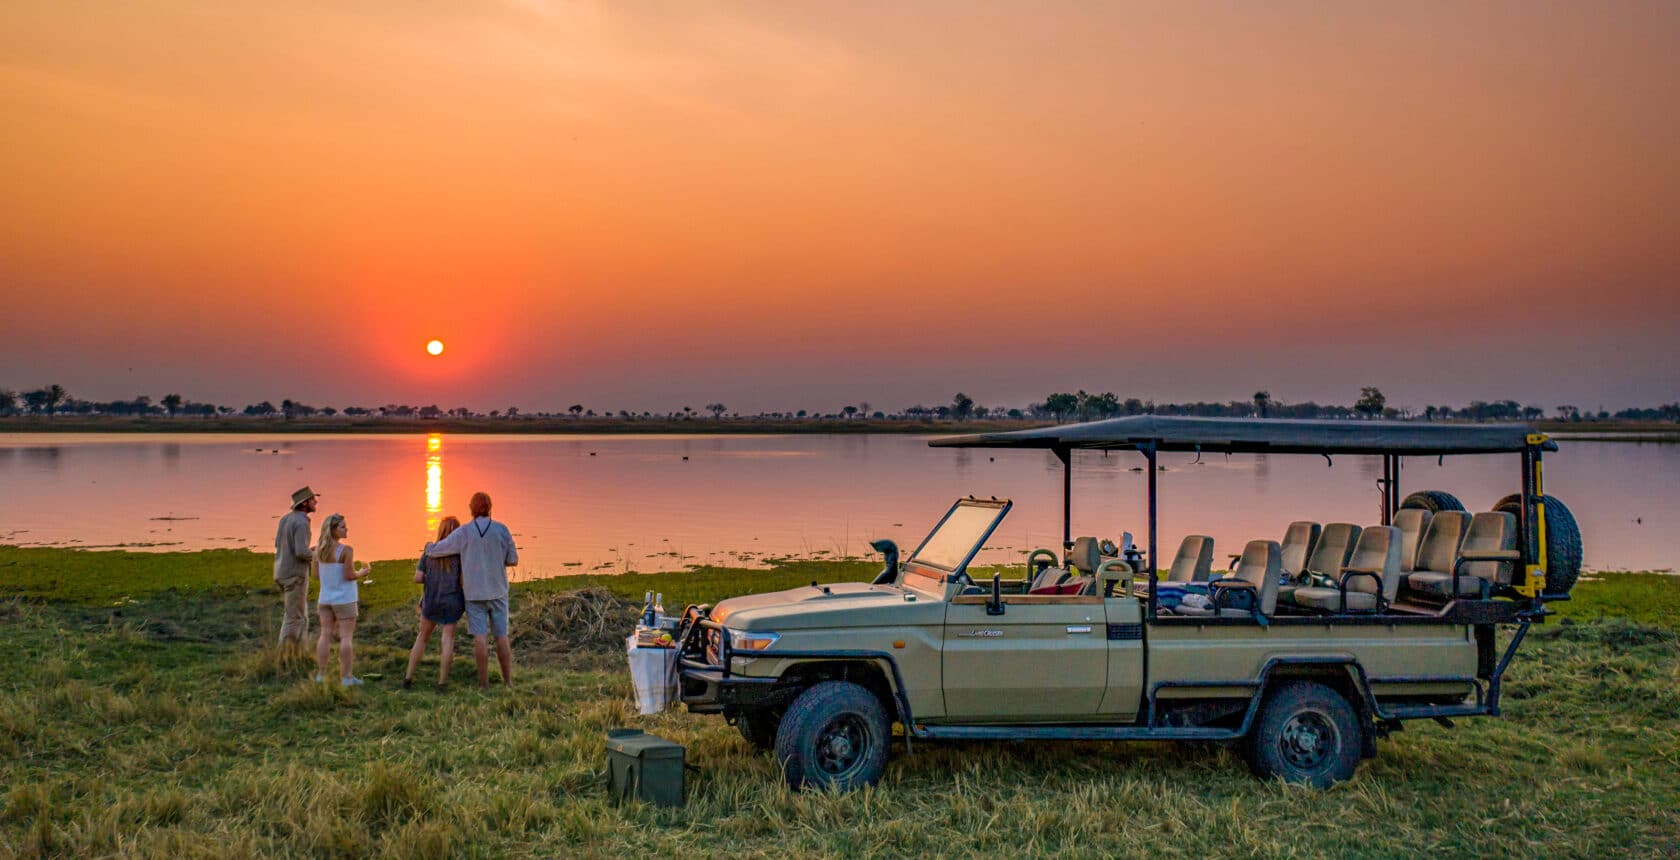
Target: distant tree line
{"x":1079,"y":405}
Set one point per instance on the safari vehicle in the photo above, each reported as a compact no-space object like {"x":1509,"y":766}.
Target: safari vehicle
{"x":1304,"y":655}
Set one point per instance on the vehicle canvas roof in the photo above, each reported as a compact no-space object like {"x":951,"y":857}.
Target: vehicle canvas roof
{"x":1262,"y":435}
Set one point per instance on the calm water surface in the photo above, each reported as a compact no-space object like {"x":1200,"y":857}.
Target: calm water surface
{"x":582,"y":503}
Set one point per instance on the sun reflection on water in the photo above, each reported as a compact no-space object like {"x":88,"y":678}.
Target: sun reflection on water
{"x":434,"y":482}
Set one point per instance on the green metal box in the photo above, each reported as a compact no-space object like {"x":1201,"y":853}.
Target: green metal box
{"x":644,"y":767}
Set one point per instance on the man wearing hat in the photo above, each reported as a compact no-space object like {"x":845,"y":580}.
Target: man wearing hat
{"x":291,"y":568}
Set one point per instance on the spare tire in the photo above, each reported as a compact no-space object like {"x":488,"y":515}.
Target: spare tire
{"x":1563,"y":541}
{"x":1433,"y":501}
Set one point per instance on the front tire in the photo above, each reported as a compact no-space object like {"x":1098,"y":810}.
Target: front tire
{"x":836,"y":734}
{"x":1306,"y":733}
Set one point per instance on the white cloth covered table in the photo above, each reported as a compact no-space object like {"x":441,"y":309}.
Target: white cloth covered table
{"x":654,"y":671}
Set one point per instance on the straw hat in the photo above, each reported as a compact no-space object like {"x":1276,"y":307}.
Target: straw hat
{"x":302,"y":496}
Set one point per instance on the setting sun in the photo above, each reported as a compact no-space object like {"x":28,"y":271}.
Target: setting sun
{"x":435,"y":347}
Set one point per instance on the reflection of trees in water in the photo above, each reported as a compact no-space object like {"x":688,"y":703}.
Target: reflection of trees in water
{"x":171,"y":455}
{"x":47,"y":455}
{"x":1370,"y":467}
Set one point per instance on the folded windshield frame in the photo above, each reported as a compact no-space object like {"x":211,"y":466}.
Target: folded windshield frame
{"x":959,"y":535}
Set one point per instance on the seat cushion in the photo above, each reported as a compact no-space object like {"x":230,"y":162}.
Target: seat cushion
{"x":1331,"y":599}
{"x":1440,"y":584}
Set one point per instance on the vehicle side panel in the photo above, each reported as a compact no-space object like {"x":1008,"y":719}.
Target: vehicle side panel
{"x":1040,"y":660}
{"x":1189,"y":652}
{"x":1125,"y":658}
{"x":918,"y":661}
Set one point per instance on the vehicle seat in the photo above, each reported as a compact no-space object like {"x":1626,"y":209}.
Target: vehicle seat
{"x":1259,"y":570}
{"x":1299,"y":540}
{"x":1378,"y":551}
{"x":1432,"y":570}
{"x":1335,"y":545}
{"x":1194,"y":561}
{"x":1412,"y":523}
{"x":1078,"y":575}
{"x":1085,"y":555}
{"x":1490,"y":530}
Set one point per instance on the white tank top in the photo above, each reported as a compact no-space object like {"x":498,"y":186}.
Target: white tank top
{"x":335,"y":589}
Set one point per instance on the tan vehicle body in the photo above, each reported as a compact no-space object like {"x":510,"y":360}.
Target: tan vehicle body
{"x":1091,"y":644}
{"x":1052,"y":658}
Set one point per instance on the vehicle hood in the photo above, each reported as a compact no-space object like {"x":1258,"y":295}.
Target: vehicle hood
{"x":845,"y":604}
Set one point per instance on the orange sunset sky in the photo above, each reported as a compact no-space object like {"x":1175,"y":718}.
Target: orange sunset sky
{"x":786,"y":205}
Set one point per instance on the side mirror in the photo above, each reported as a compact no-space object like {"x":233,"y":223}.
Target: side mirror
{"x":995,"y":605}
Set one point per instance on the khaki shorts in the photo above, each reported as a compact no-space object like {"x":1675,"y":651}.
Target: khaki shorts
{"x":339,"y":611}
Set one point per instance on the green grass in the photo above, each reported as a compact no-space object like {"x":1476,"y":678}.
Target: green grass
{"x":142,"y":713}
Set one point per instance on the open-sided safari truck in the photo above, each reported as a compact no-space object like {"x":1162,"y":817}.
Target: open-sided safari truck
{"x":1305,"y":653}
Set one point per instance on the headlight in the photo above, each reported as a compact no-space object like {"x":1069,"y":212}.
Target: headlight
{"x":744,"y":640}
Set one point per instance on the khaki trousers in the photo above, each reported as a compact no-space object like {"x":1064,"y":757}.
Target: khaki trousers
{"x":294,"y":627}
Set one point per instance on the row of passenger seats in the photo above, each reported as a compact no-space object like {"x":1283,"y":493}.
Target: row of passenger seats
{"x":1418,"y":552}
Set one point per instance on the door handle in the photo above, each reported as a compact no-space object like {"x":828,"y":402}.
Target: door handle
{"x":1078,"y":628}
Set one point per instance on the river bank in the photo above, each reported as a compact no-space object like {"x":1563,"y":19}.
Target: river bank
{"x":144,"y":713}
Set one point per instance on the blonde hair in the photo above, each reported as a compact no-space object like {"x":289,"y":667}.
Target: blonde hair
{"x":447,"y":525}
{"x":326,"y":546}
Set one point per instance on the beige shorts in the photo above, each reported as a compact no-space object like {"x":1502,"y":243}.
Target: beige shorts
{"x":338,"y":611}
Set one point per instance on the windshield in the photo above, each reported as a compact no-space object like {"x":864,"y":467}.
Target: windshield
{"x":960,"y":535}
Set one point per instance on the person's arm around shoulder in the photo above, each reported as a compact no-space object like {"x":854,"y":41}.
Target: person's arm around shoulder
{"x":450,"y":545}
{"x":511,"y":557}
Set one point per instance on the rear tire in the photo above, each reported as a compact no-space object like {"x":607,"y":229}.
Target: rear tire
{"x":1305,"y":733}
{"x":1433,"y":501}
{"x":1563,"y":541}
{"x":759,"y":728}
{"x":837,"y":735}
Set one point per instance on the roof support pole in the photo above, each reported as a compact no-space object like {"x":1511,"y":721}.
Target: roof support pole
{"x":1393,"y":489}
{"x":1066,"y":456}
{"x":1388,"y":490}
{"x":1148,"y":449}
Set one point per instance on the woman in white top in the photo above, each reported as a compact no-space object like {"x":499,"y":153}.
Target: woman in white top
{"x":336,"y":602}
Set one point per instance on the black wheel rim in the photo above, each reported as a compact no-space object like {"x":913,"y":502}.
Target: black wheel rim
{"x":842,"y":745}
{"x":1308,"y":741}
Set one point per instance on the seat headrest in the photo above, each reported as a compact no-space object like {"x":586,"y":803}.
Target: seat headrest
{"x":1194,"y":560}
{"x":1412,"y":519}
{"x":1085,"y":555}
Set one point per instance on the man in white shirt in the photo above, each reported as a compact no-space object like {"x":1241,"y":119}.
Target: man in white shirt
{"x":486,"y":550}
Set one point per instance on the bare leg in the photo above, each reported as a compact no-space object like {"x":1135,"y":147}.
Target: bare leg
{"x":481,"y":654}
{"x":448,"y":654}
{"x":419,"y":649}
{"x":504,"y":656}
{"x":346,"y":645}
{"x":323,"y":645}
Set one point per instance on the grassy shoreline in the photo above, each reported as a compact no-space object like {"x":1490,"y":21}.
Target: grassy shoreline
{"x":143,"y":713}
